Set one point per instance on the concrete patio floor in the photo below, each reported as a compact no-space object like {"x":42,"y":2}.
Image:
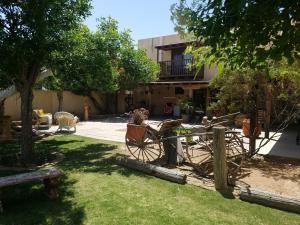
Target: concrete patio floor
{"x":114,"y":129}
{"x":110,"y":129}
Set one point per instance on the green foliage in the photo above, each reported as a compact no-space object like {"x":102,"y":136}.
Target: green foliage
{"x":30,"y":31}
{"x":186,"y":106}
{"x":233,"y":88}
{"x":136,"y":68}
{"x":285,"y":80}
{"x":103,"y":61}
{"x":4,"y":82}
{"x":242,"y":34}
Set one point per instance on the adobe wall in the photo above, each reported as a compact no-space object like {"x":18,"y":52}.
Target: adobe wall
{"x":149,"y":45}
{"x":47,"y":100}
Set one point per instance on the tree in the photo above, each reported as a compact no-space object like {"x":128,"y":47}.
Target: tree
{"x":3,"y":85}
{"x":102,"y":61}
{"x":68,"y":62}
{"x":239,"y":35}
{"x":29,"y":32}
{"x":136,"y":67}
{"x":284,"y":84}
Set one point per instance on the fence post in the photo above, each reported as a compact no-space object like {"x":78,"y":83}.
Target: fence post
{"x":220,"y":166}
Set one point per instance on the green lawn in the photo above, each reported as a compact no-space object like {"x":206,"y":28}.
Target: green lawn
{"x":96,"y":191}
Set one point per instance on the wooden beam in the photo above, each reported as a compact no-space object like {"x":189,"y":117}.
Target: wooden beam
{"x":29,"y":177}
{"x":157,"y":171}
{"x":270,"y":199}
{"x":220,"y":166}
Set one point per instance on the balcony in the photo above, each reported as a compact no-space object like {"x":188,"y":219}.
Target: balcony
{"x":178,"y":69}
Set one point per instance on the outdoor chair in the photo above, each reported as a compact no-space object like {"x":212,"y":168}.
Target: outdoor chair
{"x":66,"y":121}
{"x":42,"y":119}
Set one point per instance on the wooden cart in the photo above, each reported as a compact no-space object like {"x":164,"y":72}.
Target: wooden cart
{"x":147,"y":144}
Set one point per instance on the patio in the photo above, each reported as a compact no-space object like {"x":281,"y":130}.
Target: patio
{"x":114,"y":129}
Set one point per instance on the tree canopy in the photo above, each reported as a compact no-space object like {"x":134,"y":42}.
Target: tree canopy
{"x":29,"y":32}
{"x":233,"y":88}
{"x":105,"y":61}
{"x":247,"y":36}
{"x":242,"y":34}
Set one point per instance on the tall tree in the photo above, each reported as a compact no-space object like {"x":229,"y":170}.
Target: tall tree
{"x":68,"y":63}
{"x":4,"y":83}
{"x":102,"y":61}
{"x":242,"y":35}
{"x":29,"y":31}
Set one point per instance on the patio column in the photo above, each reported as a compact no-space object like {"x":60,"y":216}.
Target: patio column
{"x":190,"y":93}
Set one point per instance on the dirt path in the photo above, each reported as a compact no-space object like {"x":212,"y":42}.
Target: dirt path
{"x":276,"y":175}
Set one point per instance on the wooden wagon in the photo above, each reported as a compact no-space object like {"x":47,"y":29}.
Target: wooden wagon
{"x":148,"y":144}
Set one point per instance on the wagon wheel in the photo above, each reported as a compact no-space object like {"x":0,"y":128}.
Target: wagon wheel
{"x":200,"y":154}
{"x":235,"y":153}
{"x":147,"y":150}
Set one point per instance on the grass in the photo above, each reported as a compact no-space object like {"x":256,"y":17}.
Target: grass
{"x":96,"y":191}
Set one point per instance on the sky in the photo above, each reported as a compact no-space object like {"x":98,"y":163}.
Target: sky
{"x":145,"y":18}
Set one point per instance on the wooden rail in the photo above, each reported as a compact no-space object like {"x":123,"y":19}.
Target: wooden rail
{"x":179,"y":68}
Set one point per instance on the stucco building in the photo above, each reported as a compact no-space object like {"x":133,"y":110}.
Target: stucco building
{"x":175,"y":81}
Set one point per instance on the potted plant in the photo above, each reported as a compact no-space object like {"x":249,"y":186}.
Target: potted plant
{"x":136,"y":128}
{"x":186,"y":108}
{"x":246,"y":128}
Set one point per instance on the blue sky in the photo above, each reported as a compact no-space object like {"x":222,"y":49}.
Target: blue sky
{"x":145,"y":18}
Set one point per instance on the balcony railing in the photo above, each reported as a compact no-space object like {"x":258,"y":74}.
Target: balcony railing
{"x":179,"y":69}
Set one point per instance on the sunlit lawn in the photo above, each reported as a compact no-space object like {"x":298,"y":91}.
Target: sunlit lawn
{"x":96,"y":191}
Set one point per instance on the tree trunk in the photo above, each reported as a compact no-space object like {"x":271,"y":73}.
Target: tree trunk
{"x":116,"y":103}
{"x":26,"y":117}
{"x":270,"y":199}
{"x":253,"y":119}
{"x":2,"y":111}
{"x":268,"y":111}
{"x":252,"y":134}
{"x":60,"y":98}
{"x":151,"y":169}
{"x":96,"y":103}
{"x":1,"y":115}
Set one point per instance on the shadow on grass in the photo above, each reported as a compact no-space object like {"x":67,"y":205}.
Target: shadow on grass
{"x":88,"y":157}
{"x":26,"y":204}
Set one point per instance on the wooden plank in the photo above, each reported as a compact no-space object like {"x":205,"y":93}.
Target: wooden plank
{"x":29,"y":177}
{"x":157,"y":171}
{"x":270,"y":199}
{"x":220,"y":166}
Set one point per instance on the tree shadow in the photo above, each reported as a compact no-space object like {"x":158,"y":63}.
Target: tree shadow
{"x":96,"y":158}
{"x":272,"y":167}
{"x":27,"y":204}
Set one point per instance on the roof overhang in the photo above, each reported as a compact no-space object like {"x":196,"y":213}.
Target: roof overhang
{"x":185,"y":84}
{"x":173,"y":46}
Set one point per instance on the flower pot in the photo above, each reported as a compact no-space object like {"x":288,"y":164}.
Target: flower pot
{"x":239,"y":120}
{"x":135,"y":132}
{"x":246,"y":128}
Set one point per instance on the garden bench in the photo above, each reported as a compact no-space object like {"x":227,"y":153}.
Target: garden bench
{"x":48,"y":176}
